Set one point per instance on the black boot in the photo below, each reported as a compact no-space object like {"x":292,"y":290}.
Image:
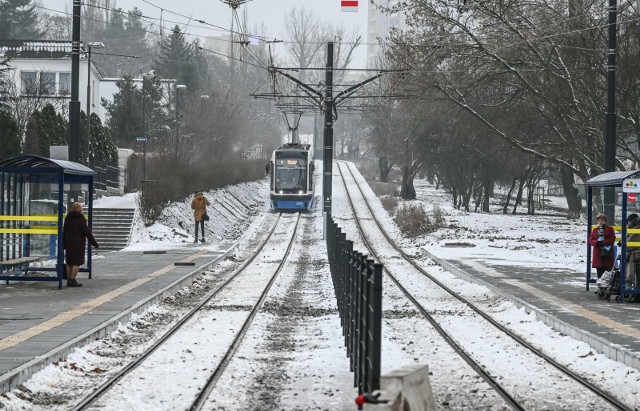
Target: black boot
{"x":73,"y":283}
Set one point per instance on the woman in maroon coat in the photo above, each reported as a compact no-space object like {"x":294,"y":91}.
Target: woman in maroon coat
{"x":74,"y":233}
{"x":602,"y":237}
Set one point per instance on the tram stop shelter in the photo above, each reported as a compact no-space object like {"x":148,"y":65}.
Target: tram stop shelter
{"x":34,"y":191}
{"x":626,"y":185}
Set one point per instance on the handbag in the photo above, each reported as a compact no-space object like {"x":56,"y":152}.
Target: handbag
{"x":205,"y":217}
{"x":606,"y":252}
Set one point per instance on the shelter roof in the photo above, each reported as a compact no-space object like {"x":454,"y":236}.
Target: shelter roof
{"x":613,"y":178}
{"x":33,"y":161}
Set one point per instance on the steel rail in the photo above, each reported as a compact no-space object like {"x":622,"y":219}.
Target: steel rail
{"x":456,"y":347}
{"x":593,"y":388}
{"x":202,"y":397}
{"x":90,"y":399}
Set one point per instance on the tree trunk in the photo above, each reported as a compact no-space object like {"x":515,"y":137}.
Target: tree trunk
{"x":488,"y":191}
{"x":407,"y":190}
{"x":505,"y":208}
{"x":384,"y":167}
{"x":571,"y":193}
{"x":518,"y":196}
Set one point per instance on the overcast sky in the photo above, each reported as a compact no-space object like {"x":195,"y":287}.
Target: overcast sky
{"x":269,"y":12}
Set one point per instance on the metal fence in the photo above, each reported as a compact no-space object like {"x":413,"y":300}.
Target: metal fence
{"x":357,"y":280}
{"x":107,"y":176}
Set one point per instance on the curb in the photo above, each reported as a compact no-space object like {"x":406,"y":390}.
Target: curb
{"x":612,"y":351}
{"x":18,"y":375}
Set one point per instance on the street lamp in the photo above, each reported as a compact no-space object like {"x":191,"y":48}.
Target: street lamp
{"x":98,"y":45}
{"x":178,"y":87}
{"x":150,"y":75}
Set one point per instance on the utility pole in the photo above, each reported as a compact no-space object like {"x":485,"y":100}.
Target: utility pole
{"x":88,"y":112}
{"x":327,"y":102}
{"x":327,"y":181}
{"x":74,"y":104}
{"x":610,"y":137}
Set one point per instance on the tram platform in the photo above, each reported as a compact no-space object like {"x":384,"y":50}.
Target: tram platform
{"x":40,"y":324}
{"x":560,"y":299}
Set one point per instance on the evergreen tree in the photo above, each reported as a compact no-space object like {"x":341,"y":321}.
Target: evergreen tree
{"x":177,"y":60}
{"x":19,"y":20}
{"x":9,"y":134}
{"x":125,"y":112}
{"x":46,"y":128}
{"x":101,"y":149}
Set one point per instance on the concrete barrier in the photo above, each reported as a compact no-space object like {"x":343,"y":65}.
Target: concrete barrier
{"x":405,"y":389}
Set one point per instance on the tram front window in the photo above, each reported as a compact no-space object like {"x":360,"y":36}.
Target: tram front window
{"x":290,"y":175}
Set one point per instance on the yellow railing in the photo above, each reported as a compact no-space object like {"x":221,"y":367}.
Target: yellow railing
{"x":35,"y":230}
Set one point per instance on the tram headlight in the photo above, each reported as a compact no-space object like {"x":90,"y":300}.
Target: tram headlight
{"x":300,"y":191}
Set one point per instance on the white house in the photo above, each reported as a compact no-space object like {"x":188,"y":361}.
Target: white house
{"x":41,"y":70}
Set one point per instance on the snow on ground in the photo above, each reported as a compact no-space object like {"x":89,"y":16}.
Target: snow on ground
{"x":238,"y":213}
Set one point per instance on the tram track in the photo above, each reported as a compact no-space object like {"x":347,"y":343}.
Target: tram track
{"x":488,"y":374}
{"x":280,"y":227}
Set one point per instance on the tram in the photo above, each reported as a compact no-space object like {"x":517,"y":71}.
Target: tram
{"x":291,"y":169}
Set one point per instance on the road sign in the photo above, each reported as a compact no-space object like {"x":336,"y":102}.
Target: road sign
{"x":140,"y":139}
{"x":632,"y":197}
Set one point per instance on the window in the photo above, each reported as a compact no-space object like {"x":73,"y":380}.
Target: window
{"x":64,"y":84}
{"x":29,"y":82}
{"x":47,"y":83}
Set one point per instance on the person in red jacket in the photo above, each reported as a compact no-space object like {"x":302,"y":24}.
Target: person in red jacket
{"x":74,"y":233}
{"x":602,"y":238}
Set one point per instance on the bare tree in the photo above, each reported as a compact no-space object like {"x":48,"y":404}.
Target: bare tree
{"x":495,"y":59}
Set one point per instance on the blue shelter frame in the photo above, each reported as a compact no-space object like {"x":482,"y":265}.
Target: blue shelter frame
{"x":615,"y":179}
{"x":16,"y":173}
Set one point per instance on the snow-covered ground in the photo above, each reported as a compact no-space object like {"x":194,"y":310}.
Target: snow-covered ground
{"x":314,"y":373}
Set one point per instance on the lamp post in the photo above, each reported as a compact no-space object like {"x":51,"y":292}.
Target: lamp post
{"x":97,"y":45}
{"x":611,"y":117}
{"x":178,"y":88}
{"x":151,"y":75}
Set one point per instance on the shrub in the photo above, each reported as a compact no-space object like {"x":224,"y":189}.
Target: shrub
{"x":171,"y":180}
{"x":389,"y":203}
{"x":384,"y":189}
{"x":412,"y":220}
{"x":438,"y":218}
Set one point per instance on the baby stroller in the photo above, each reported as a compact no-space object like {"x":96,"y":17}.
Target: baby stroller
{"x":609,"y":283}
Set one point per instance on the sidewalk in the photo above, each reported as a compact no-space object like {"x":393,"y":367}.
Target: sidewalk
{"x":560,"y":300}
{"x":40,"y":324}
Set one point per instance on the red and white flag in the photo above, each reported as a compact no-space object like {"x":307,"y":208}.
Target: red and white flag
{"x":349,"y":5}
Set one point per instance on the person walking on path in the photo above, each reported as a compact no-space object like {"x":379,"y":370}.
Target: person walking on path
{"x":602,"y":238}
{"x":199,"y":205}
{"x":74,"y":233}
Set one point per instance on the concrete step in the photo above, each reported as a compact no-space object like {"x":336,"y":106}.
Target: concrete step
{"x":112,"y":227}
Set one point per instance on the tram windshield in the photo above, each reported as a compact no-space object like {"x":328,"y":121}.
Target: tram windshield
{"x":290,"y":174}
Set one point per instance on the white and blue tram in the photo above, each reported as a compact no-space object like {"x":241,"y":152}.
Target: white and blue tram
{"x":291,"y":170}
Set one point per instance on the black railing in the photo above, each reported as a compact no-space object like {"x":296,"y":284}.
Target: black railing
{"x":107,"y":176}
{"x":357,"y":281}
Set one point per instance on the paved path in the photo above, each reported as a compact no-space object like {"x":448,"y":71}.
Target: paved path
{"x":560,"y":299}
{"x":40,"y":324}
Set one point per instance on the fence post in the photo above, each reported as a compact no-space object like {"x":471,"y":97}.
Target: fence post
{"x":375,"y":301}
